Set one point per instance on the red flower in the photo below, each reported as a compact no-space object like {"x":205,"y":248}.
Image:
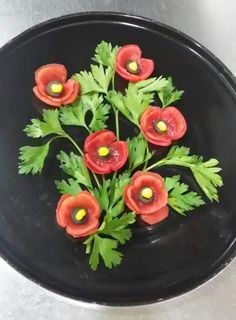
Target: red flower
{"x":130,"y":65}
{"x":78,"y":214}
{"x":103,"y":154}
{"x":162,"y":126}
{"x":52,"y":87}
{"x":146,"y":196}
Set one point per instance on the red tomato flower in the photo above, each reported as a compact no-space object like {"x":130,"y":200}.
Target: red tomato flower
{"x":103,"y":154}
{"x":52,"y":87}
{"x":147,"y":197}
{"x":130,"y":65}
{"x":79,"y":214}
{"x":162,"y":126}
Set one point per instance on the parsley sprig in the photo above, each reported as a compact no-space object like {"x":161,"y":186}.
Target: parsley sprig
{"x":76,"y":113}
{"x":169,"y":94}
{"x":138,"y":152}
{"x":115,"y":227}
{"x":179,"y":198}
{"x":105,"y":241}
{"x":205,"y":172}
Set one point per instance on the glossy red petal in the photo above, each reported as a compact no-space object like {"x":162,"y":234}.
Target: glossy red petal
{"x":129,"y":201}
{"x":133,"y":52}
{"x":64,"y":210}
{"x":140,"y":178}
{"x":139,"y":181}
{"x":86,"y":200}
{"x":128,"y":52}
{"x":97,"y":165}
{"x":61,"y":200}
{"x":55,"y":102}
{"x":176,"y":122}
{"x":147,"y":121}
{"x":146,"y":69}
{"x":119,"y":151}
{"x":50,"y":72}
{"x":156,"y":204}
{"x":98,"y":139}
{"x":70,"y":91}
{"x":156,"y":217}
{"x":82,"y":230}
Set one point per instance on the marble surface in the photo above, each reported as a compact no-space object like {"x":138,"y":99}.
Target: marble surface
{"x":212,"y":23}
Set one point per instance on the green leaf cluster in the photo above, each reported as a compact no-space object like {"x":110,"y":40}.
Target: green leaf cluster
{"x":205,"y":172}
{"x":92,"y":104}
{"x":179,"y":198}
{"x":169,"y":93}
{"x":138,"y":151}
{"x":73,"y":166}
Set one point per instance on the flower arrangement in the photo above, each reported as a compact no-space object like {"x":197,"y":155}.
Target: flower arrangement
{"x":111,"y":183}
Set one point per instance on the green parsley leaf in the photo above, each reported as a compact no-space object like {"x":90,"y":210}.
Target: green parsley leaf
{"x":205,"y":173}
{"x":50,"y":125}
{"x":120,"y":184}
{"x":132,"y":104}
{"x":151,"y":84}
{"x":74,"y":115}
{"x":97,"y":245}
{"x":137,"y":102}
{"x":106,"y":248}
{"x":70,"y":187}
{"x":138,"y":151}
{"x":73,"y":165}
{"x":87,"y":82}
{"x":99,"y":110}
{"x":117,"y":209}
{"x":117,"y":227}
{"x":116,"y":99}
{"x":105,"y":54}
{"x":110,"y":192}
{"x":169,"y":94}
{"x":102,"y":194}
{"x":99,"y":117}
{"x":32,"y":158}
{"x":97,"y":80}
{"x":179,"y":198}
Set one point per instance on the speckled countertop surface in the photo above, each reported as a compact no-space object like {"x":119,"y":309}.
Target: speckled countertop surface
{"x":211,"y":22}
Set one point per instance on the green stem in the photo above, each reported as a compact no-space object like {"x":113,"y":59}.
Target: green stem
{"x":67,"y":136}
{"x":96,"y":179}
{"x":113,"y":81}
{"x":164,"y":162}
{"x":73,"y":142}
{"x":117,"y":123}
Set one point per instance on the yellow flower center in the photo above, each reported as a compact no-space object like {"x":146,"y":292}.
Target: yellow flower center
{"x":80,"y":214}
{"x":56,"y":87}
{"x":103,"y":151}
{"x":133,"y":66}
{"x":161,"y":126}
{"x":147,"y":193}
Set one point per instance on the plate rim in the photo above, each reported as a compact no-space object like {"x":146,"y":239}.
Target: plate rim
{"x":221,"y":68}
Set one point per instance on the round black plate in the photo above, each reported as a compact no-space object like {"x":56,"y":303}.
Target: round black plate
{"x":160,"y":262}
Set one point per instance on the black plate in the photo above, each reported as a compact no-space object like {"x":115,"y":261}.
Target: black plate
{"x":160,"y":262}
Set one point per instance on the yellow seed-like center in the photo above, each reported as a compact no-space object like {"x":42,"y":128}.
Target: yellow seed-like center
{"x":103,"y":151}
{"x":80,"y":214}
{"x":133,"y":66}
{"x":56,"y":88}
{"x":161,"y":126}
{"x":147,"y":193}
